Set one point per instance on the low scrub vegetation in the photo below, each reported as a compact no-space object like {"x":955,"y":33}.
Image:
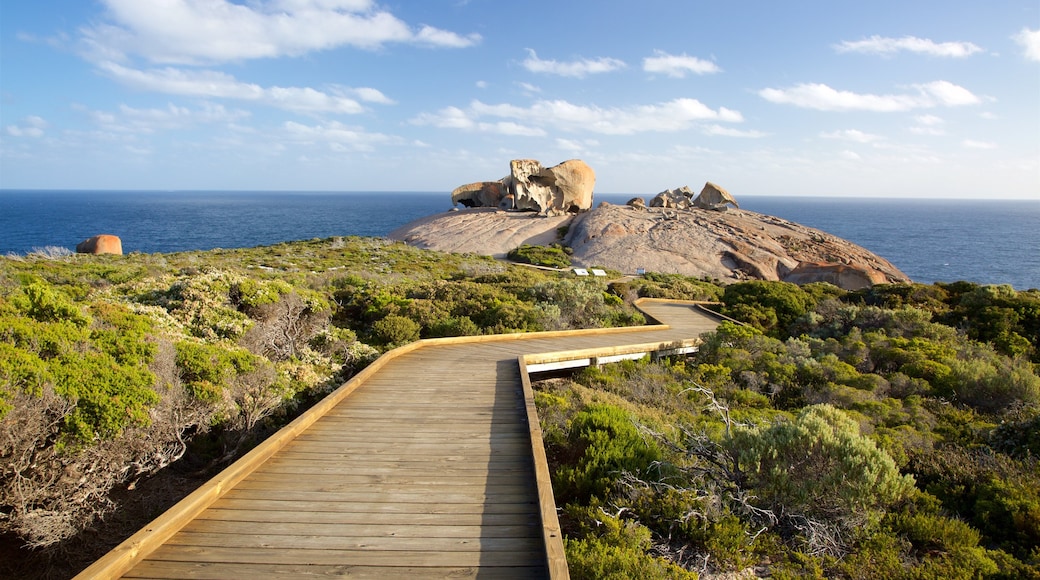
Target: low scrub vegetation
{"x":113,"y":368}
{"x":889,"y":432}
{"x":885,"y":433}
{"x":553,"y":256}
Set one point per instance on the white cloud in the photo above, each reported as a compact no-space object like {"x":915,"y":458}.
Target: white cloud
{"x":31,"y":126}
{"x":670,"y":116}
{"x":215,"y":84}
{"x":678,"y":66}
{"x":824,"y":98}
{"x":206,"y":31}
{"x":481,"y":84}
{"x":1030,"y":42}
{"x":888,"y":46}
{"x":973,"y":144}
{"x":928,"y":125}
{"x":576,"y":146}
{"x":369,"y":95}
{"x":850,"y":155}
{"x":134,"y":120}
{"x":852,"y":135}
{"x":337,"y":136}
{"x":529,"y":88}
{"x":731,"y":132}
{"x":577,"y":68}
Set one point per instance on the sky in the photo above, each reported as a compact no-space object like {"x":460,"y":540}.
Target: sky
{"x":798,"y":98}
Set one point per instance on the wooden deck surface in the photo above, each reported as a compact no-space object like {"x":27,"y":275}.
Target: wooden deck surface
{"x":427,"y":467}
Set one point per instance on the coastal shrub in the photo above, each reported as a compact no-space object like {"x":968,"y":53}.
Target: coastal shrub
{"x":393,"y":330}
{"x":990,"y":383}
{"x":604,"y":546}
{"x":769,"y":306}
{"x":454,"y":326}
{"x":675,"y":286}
{"x":820,"y":466}
{"x":44,"y":303}
{"x":578,"y":303}
{"x":208,"y":369}
{"x":604,"y":443}
{"x":552,"y":256}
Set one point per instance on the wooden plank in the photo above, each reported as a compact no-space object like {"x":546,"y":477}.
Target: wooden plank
{"x":416,"y":520}
{"x":222,"y":571}
{"x":374,"y":507}
{"x":436,"y":558}
{"x":331,"y":485}
{"x":377,"y":467}
{"x":370,"y":530}
{"x":361,"y":496}
{"x":371,"y":544}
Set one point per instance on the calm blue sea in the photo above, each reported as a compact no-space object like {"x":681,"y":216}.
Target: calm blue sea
{"x":993,"y":242}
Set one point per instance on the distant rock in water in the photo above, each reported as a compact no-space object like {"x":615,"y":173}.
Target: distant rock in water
{"x":677,"y":238}
{"x":562,"y":189}
{"x":101,"y":244}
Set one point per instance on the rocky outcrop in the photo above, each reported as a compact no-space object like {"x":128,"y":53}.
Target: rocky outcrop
{"x":845,"y":276}
{"x":715,"y":198}
{"x":101,"y":244}
{"x":481,"y":194}
{"x":483,"y":231}
{"x":678,"y":198}
{"x":727,"y":246}
{"x":562,"y":189}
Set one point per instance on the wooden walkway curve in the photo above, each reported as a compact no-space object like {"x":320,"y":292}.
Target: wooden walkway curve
{"x":427,"y":464}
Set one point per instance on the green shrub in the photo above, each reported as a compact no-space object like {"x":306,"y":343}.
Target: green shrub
{"x":820,"y":466}
{"x":769,"y":306}
{"x":207,"y":369}
{"x":603,"y":546}
{"x":554,"y":256}
{"x":604,"y":442}
{"x":394,"y":330}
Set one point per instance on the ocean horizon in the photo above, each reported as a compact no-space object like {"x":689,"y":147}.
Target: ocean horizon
{"x":930,"y":240}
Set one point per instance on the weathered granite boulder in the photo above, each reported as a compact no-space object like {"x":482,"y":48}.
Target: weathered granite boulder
{"x":480,"y":194}
{"x":636,"y":202}
{"x":101,"y":244}
{"x":678,"y":198}
{"x":564,"y":188}
{"x":841,"y":275}
{"x":715,"y":198}
{"x":728,"y":246}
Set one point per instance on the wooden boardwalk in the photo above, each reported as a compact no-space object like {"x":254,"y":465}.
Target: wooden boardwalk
{"x":428,"y":464}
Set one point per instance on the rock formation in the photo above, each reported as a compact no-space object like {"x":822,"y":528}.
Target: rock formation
{"x":728,"y":246}
{"x":715,"y":198}
{"x":481,"y":194}
{"x":678,"y":198}
{"x":562,"y":189}
{"x":101,"y":244}
{"x":845,"y":276}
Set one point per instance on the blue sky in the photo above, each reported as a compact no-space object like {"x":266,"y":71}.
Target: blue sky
{"x":882,"y":98}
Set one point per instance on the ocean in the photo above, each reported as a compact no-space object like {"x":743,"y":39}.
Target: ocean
{"x":989,"y":242}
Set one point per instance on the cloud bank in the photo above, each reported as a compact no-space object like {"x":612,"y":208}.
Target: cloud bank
{"x":577,"y":68}
{"x":824,"y":98}
{"x":678,"y":66}
{"x":889,"y":46}
{"x":214,"y":31}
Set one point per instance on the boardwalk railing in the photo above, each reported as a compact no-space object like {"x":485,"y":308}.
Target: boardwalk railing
{"x":134,"y":549}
